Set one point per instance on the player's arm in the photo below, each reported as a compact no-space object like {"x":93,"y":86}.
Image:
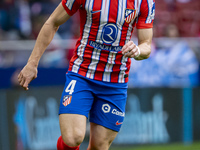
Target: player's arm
{"x":29,"y":72}
{"x":144,"y":25}
{"x":144,"y":43}
{"x":143,"y":50}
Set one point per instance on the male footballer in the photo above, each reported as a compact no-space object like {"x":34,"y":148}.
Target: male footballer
{"x":96,"y":81}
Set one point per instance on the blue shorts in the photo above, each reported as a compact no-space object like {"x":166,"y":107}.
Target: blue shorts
{"x":103,"y":101}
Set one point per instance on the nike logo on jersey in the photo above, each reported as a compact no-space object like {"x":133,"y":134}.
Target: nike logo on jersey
{"x":93,"y":12}
{"x":118,"y":123}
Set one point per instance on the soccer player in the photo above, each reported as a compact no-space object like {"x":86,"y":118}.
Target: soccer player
{"x":96,"y":81}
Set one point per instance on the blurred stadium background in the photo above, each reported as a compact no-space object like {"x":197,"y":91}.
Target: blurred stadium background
{"x":163,"y":105}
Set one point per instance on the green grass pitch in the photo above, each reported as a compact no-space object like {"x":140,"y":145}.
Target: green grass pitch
{"x":194,"y":146}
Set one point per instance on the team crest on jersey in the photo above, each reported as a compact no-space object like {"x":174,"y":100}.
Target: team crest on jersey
{"x":67,"y":100}
{"x":130,"y":15}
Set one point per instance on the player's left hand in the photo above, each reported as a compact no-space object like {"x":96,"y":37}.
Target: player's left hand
{"x":130,"y":50}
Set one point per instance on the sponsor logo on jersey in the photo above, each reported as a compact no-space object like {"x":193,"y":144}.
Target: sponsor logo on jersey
{"x":105,"y":47}
{"x":106,"y":108}
{"x":129,"y":15}
{"x":67,"y":100}
{"x":109,"y":33}
{"x":118,"y":123}
{"x":118,"y":113}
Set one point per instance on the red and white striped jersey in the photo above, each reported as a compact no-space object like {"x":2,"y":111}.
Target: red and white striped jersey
{"x":105,"y":26}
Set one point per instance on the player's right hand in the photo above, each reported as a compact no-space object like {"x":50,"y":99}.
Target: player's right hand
{"x":27,"y":74}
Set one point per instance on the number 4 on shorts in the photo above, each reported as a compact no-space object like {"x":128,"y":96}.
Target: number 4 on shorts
{"x":70,"y":87}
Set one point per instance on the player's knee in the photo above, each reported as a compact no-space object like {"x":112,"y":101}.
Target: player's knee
{"x":73,"y":139}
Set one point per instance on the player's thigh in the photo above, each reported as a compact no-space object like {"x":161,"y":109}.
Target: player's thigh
{"x":77,"y":97}
{"x":73,"y":127}
{"x":100,"y":137}
{"x":75,"y":104}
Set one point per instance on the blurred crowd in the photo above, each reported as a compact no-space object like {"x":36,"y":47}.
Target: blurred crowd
{"x":177,"y":18}
{"x":22,"y":19}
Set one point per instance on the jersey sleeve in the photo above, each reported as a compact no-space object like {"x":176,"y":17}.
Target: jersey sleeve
{"x":146,"y":14}
{"x":71,"y":6}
